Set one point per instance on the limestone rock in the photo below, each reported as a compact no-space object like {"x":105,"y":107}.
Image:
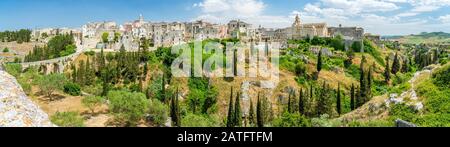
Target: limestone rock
{"x":16,"y":110}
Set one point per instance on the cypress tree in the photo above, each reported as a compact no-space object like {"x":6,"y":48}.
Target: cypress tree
{"x":174,"y":112}
{"x":237,"y":111}
{"x":352,"y":98}
{"x":251,"y":116}
{"x":230,"y":117}
{"x":163,"y":88}
{"x":289,"y":109}
{"x":338,"y":100}
{"x":369,"y":83}
{"x":259,"y":113}
{"x":362,"y":81}
{"x":319,"y":61}
{"x":235,"y":63}
{"x":435,"y":56}
{"x":358,"y":98}
{"x":387,"y":74}
{"x":395,"y":65}
{"x":81,"y":73}
{"x":301,"y":103}
{"x":74,"y":74}
{"x":405,"y":66}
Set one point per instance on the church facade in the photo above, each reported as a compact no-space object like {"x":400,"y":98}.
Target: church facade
{"x":298,"y":30}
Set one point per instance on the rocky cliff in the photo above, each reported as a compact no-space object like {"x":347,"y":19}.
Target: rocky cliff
{"x":16,"y":110}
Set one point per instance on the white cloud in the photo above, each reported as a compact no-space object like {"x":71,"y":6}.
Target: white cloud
{"x":445,"y":18}
{"x":221,"y":11}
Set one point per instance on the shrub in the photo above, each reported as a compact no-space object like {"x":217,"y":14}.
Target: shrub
{"x":193,"y":120}
{"x":5,"y":50}
{"x":372,"y":123}
{"x":292,"y":120}
{"x":67,"y":119}
{"x":158,"y":112}
{"x":92,"y":102}
{"x":127,"y":107}
{"x":353,"y":71}
{"x":442,"y":77}
{"x":14,"y":69}
{"x":402,"y":111}
{"x":72,"y":89}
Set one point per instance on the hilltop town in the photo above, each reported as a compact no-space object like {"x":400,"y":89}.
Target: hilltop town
{"x":174,"y":33}
{"x":105,"y":74}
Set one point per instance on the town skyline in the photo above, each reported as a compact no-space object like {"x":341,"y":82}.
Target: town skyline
{"x":384,"y":17}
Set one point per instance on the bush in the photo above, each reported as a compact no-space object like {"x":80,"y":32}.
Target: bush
{"x":92,"y":102}
{"x":292,"y":120}
{"x":14,"y":69}
{"x":72,"y":89}
{"x":372,"y":123}
{"x":193,"y":120}
{"x":325,"y":121}
{"x":5,"y":50}
{"x":127,"y":107}
{"x":442,"y":77}
{"x":403,"y":112}
{"x":353,"y":71}
{"x":67,"y":119}
{"x":158,"y":112}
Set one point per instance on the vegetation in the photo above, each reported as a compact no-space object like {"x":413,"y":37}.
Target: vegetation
{"x":58,"y":46}
{"x":51,"y":83}
{"x":20,"y":36}
{"x":128,"y":108}
{"x":92,"y":102}
{"x":67,"y":119}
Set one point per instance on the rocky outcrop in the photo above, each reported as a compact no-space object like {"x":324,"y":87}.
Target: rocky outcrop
{"x":16,"y":110}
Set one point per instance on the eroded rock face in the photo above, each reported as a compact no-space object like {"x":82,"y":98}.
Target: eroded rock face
{"x":16,"y":110}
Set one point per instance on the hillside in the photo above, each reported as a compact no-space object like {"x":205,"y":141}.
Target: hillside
{"x":427,"y":38}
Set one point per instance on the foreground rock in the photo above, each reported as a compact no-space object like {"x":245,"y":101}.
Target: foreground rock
{"x":16,"y":110}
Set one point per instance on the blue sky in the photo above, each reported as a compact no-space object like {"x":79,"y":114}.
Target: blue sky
{"x":386,"y":17}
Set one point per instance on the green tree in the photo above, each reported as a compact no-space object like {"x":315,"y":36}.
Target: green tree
{"x":92,"y":102}
{"x":72,"y":89}
{"x":301,"y":103}
{"x":319,"y":61}
{"x":51,"y":83}
{"x":405,"y":66}
{"x":128,"y":108}
{"x":387,"y":74}
{"x":5,"y":50}
{"x":352,"y":97}
{"x":395,"y":65}
{"x":259,"y":113}
{"x":237,"y":111}
{"x":158,"y":113}
{"x":105,"y":37}
{"x":175,"y":111}
{"x":251,"y":116}
{"x":338,"y":100}
{"x":231,"y":112}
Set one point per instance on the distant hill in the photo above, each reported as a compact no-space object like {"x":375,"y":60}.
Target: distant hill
{"x":424,"y":37}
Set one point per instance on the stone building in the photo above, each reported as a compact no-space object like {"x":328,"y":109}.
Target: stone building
{"x":238,"y":28}
{"x":300,"y":30}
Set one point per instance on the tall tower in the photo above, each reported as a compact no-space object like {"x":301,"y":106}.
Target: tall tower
{"x":141,"y":18}
{"x":297,"y":21}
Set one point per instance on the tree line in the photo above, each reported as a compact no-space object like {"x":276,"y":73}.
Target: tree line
{"x":23,"y":35}
{"x":58,"y":46}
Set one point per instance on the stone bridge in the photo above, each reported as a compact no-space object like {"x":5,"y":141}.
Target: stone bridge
{"x":56,"y":65}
